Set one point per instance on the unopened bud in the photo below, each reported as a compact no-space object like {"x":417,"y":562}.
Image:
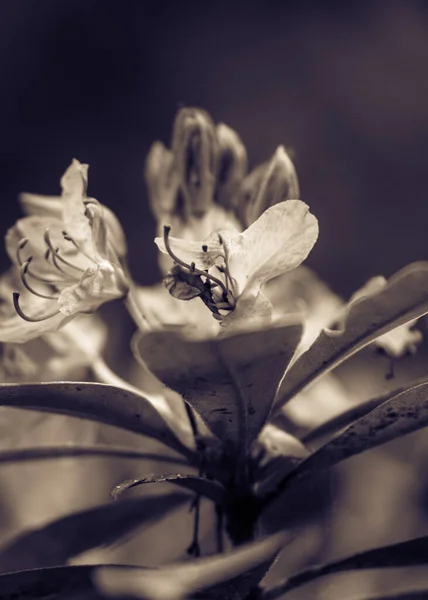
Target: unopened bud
{"x":183,"y":284}
{"x":273,"y":182}
{"x":161,"y":180}
{"x":194,"y":145}
{"x":231,"y":166}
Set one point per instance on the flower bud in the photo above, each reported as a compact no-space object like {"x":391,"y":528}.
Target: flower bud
{"x":161,"y":180}
{"x":194,"y":146}
{"x":231,"y":165}
{"x":268,"y":185}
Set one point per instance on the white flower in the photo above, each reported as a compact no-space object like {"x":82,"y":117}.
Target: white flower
{"x":68,"y":252}
{"x":233,"y":266}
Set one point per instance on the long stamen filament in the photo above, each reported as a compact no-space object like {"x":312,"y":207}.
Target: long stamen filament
{"x":76,"y":245}
{"x":23,"y":273}
{"x":57,"y":255}
{"x":26,"y":317}
{"x":29,"y":273}
{"x":191,"y":267}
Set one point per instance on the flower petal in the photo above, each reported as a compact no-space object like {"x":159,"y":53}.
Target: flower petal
{"x":18,"y":331}
{"x":193,"y":252}
{"x":41,"y":206}
{"x":277,"y":242}
{"x":98,"y":284}
{"x":73,"y":184}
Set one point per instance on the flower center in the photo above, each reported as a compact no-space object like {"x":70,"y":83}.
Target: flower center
{"x":217,"y":294}
{"x":66,"y":273}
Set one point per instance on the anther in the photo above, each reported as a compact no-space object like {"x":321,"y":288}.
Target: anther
{"x":26,"y":317}
{"x":57,"y":254}
{"x":205,"y":248}
{"x":21,"y":245}
{"x":178,"y":261}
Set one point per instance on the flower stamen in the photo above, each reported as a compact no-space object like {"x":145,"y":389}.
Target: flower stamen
{"x":192,"y":268}
{"x":57,"y":255}
{"x":68,"y":238}
{"x":18,"y":309}
{"x":24,"y":273}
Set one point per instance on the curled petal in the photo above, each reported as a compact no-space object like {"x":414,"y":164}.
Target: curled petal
{"x":99,"y":284}
{"x":277,"y":242}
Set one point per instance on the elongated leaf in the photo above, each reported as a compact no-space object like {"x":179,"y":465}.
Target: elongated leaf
{"x":53,"y":583}
{"x":409,"y":595}
{"x":95,"y":401}
{"x":398,"y":416}
{"x":178,"y":581}
{"x":404,"y":554}
{"x":70,"y":451}
{"x":404,"y":298}
{"x":60,"y":540}
{"x":211,"y":489}
{"x":318,"y":436}
{"x":230,"y":381}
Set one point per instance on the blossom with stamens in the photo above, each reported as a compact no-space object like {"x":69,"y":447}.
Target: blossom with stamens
{"x":69,"y":258}
{"x":277,"y":242}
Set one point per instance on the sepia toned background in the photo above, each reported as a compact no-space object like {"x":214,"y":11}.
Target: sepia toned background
{"x":343,"y":85}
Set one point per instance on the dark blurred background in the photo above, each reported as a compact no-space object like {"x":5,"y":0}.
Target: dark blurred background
{"x":343,"y":84}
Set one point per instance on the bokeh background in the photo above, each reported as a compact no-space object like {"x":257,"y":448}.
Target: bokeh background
{"x":342,"y":84}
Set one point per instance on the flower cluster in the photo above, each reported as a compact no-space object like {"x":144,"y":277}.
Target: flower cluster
{"x":234,"y":350}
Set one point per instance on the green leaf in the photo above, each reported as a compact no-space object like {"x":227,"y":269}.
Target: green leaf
{"x":211,"y":489}
{"x":179,"y":581}
{"x":60,"y":540}
{"x":402,"y":299}
{"x":95,"y":401}
{"x":404,"y":554}
{"x":230,"y":381}
{"x":58,"y":452}
{"x":318,"y":436}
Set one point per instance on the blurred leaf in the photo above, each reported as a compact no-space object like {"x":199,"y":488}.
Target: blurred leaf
{"x":211,"y":489}
{"x":402,"y":414}
{"x":404,"y":554}
{"x":179,"y":581}
{"x":398,"y":416}
{"x":402,"y":299}
{"x":410,"y":595}
{"x":70,"y":451}
{"x":60,"y":540}
{"x":53,"y":584}
{"x":95,"y":401}
{"x":318,"y":436}
{"x":230,"y":381}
